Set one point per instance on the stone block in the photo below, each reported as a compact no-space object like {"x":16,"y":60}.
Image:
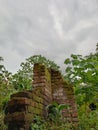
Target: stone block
{"x":18,"y":118}
{"x":19,"y":101}
{"x":26,"y":94}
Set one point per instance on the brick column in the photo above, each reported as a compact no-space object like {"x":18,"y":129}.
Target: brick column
{"x":42,"y":83}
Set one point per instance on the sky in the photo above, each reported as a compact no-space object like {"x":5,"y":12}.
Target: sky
{"x":53,"y":28}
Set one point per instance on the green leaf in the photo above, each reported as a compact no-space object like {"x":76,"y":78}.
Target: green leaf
{"x":67,"y":61}
{"x":75,"y":62}
{"x":63,"y":106}
{"x":74,"y":56}
{"x":68,"y":69}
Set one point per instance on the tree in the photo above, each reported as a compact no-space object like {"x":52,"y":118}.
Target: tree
{"x":83,"y":73}
{"x":5,"y":84}
{"x":6,"y":89}
{"x":23,"y":78}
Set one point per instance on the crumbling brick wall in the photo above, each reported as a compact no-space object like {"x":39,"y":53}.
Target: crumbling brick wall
{"x":63,"y":93}
{"x":48,"y":86}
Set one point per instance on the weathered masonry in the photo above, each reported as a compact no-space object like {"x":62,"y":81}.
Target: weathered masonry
{"x":48,"y":86}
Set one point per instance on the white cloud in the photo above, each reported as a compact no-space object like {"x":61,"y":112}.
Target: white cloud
{"x":53,"y":28}
{"x":57,"y":21}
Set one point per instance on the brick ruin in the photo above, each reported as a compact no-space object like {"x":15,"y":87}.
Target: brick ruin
{"x":48,"y":87}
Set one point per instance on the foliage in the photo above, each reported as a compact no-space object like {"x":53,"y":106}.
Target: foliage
{"x":2,"y":126}
{"x":42,"y":124}
{"x":38,"y":124}
{"x":82,"y":72}
{"x":89,"y":122}
{"x":54,"y":111}
{"x":42,"y":60}
{"x":6,"y":89}
{"x":85,"y":123}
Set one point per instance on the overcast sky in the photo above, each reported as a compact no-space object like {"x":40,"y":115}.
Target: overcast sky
{"x":53,"y":28}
